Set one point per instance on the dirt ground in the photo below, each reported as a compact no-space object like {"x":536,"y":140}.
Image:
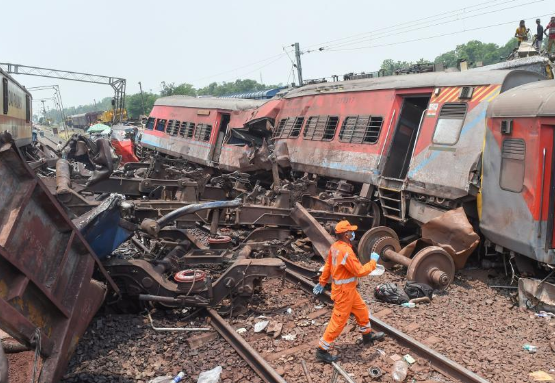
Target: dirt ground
{"x":477,"y":326}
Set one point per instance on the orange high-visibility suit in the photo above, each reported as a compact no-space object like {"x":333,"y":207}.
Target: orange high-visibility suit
{"x":344,"y":267}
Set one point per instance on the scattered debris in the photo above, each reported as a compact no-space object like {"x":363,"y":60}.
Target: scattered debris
{"x":258,"y":327}
{"x":211,"y":376}
{"x":530,"y":348}
{"x":541,"y":376}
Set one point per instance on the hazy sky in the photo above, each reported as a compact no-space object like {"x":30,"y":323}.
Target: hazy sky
{"x":205,"y":41}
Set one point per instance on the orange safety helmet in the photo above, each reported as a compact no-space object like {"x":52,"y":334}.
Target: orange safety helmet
{"x":344,"y":226}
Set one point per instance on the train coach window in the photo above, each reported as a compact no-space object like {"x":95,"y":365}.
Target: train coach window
{"x":161,"y":125}
{"x":190,"y":130}
{"x":279,"y":129}
{"x":150,"y":123}
{"x":361,"y":129}
{"x":173,"y":127}
{"x":297,"y":126}
{"x":289,"y":127}
{"x":28,"y":108}
{"x":203,"y":132}
{"x":449,"y":124}
{"x":5,"y":95}
{"x":320,"y":128}
{"x":513,"y":154}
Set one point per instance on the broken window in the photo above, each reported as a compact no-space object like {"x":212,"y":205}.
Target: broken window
{"x":150,"y":123}
{"x":161,"y":125}
{"x":513,"y":154}
{"x":279,"y":129}
{"x":203,"y":132}
{"x":449,"y":124}
{"x":320,"y":128}
{"x":361,"y":129}
{"x":289,"y":127}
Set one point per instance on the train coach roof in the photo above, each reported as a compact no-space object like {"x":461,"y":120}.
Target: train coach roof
{"x":529,"y":100}
{"x":421,"y":80}
{"x":209,"y":102}
{"x":7,"y":75}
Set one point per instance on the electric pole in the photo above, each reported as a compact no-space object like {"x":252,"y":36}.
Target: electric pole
{"x":142,"y":99}
{"x":299,"y":67}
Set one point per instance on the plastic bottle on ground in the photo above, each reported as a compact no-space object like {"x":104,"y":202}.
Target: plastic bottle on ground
{"x":399,"y":371}
{"x":531,"y":349}
{"x":168,"y":379}
{"x":410,"y":305}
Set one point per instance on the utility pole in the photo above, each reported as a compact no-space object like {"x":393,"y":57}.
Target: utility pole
{"x":299,"y":67}
{"x":142,"y":99}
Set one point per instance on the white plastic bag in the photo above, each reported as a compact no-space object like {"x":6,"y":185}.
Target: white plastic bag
{"x":379,"y":270}
{"x":212,"y":376}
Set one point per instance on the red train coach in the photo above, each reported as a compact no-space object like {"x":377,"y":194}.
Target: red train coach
{"x":518,"y":182}
{"x":200,"y":130}
{"x":416,"y":140}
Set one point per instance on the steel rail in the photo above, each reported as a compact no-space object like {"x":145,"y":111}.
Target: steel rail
{"x":245,"y":351}
{"x":439,"y":362}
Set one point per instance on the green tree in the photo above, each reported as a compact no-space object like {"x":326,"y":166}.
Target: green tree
{"x":476,"y":51}
{"x":134,"y":104}
{"x":170,"y":89}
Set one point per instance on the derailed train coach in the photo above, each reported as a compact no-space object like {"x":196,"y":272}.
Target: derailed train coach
{"x":212,"y":131}
{"x":16,"y":110}
{"x":412,"y":142}
{"x":517,"y":201}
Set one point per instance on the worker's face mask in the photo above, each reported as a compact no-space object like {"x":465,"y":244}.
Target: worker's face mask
{"x":352,"y":238}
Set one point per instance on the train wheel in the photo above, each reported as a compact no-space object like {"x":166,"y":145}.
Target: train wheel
{"x":370,"y":238}
{"x":433,"y":266}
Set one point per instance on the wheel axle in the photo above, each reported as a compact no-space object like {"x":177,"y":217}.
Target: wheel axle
{"x":431,"y":265}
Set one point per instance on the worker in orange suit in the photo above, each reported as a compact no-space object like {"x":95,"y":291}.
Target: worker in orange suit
{"x":344,"y":268}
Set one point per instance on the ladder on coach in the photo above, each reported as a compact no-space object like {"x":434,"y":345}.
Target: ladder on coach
{"x":392,"y":199}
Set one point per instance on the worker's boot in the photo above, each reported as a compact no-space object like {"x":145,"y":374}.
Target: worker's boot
{"x":371,"y":337}
{"x":324,"y":356}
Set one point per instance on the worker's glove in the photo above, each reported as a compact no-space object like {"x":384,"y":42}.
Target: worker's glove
{"x":318,"y":289}
{"x":375,"y":257}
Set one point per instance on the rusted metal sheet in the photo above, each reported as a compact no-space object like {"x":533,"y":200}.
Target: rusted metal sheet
{"x":321,"y":239}
{"x":46,"y":267}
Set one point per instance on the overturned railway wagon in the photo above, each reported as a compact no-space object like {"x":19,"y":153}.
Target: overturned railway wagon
{"x":414,"y":141}
{"x":212,"y":131}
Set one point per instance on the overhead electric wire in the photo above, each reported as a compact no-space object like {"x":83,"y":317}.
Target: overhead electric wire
{"x":334,"y":46}
{"x":241,"y":67}
{"x":435,"y":36}
{"x":415,"y":22}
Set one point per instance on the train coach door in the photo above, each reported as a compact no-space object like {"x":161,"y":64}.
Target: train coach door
{"x":217,"y":150}
{"x":400,"y":151}
{"x":390,"y":189}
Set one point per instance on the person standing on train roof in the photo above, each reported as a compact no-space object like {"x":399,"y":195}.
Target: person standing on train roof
{"x":539,"y":36}
{"x":550,"y":33}
{"x":521,"y":33}
{"x":344,"y":268}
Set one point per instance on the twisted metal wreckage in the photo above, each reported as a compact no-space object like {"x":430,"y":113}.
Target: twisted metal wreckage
{"x":60,"y":237}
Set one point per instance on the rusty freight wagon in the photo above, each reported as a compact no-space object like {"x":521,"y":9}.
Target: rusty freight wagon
{"x":202,"y":130}
{"x":413,"y":141}
{"x":518,"y":184}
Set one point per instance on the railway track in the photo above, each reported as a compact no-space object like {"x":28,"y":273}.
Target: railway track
{"x":441,"y":363}
{"x":268,"y":374}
